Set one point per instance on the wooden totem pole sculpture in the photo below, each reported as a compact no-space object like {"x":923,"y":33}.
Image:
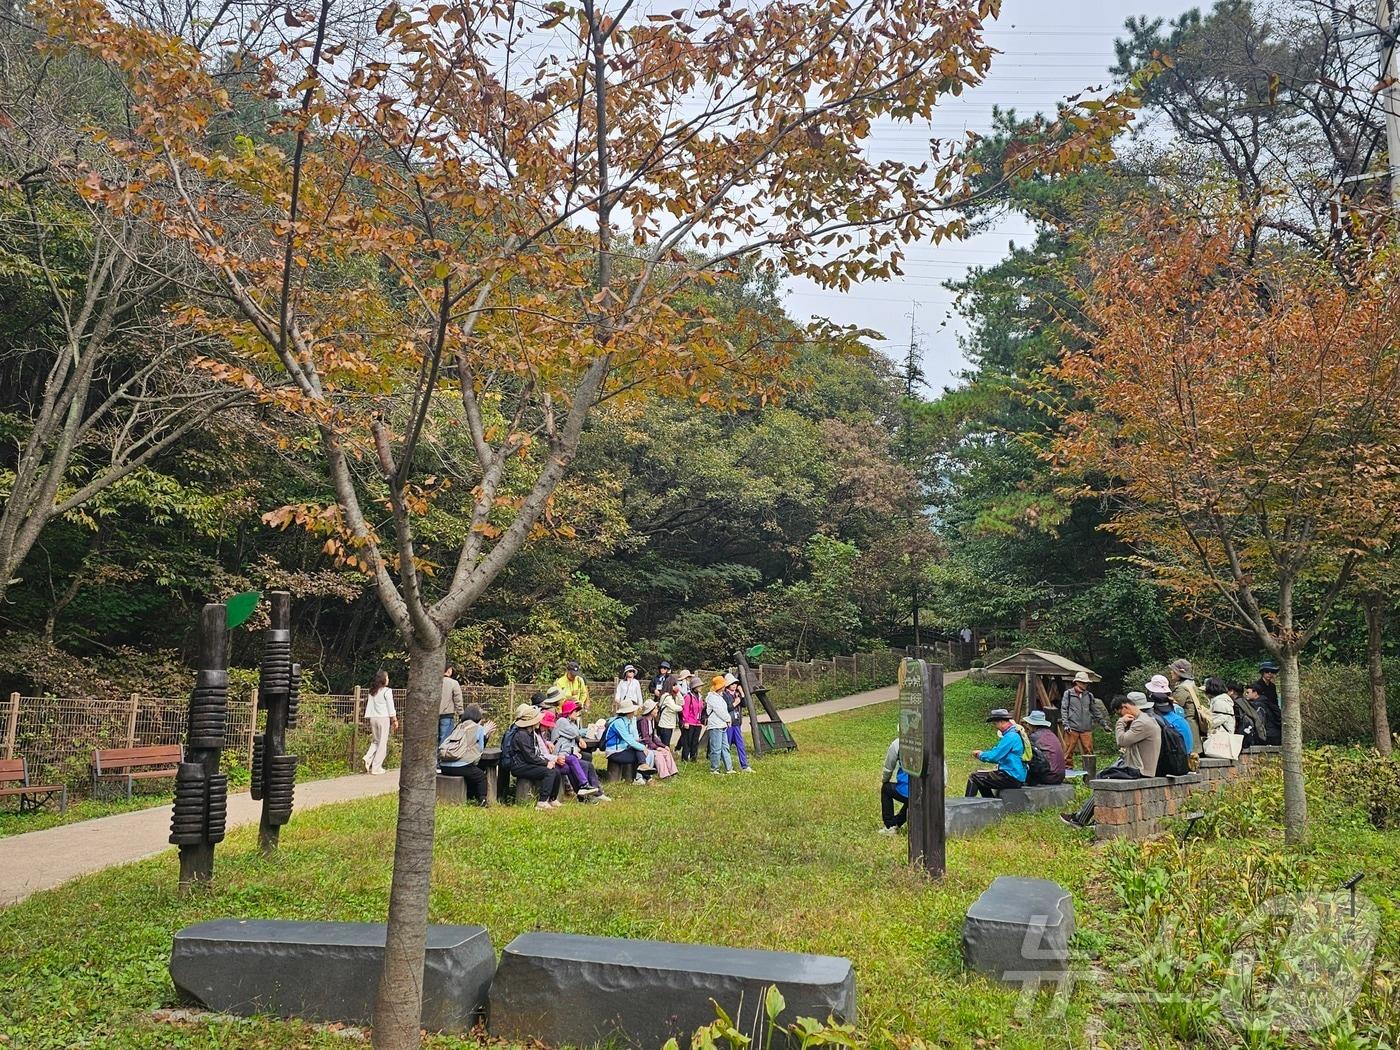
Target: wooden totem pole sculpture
{"x":275,"y":771}
{"x":201,"y":791}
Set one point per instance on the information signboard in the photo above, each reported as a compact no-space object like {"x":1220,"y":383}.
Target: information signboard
{"x":912,"y":687}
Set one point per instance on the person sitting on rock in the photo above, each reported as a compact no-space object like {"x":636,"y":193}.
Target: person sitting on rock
{"x":1044,"y":740}
{"x":531,"y":759}
{"x":660,"y":754}
{"x":621,"y":743}
{"x":894,"y":790}
{"x":1007,"y":752}
{"x":1139,"y":740}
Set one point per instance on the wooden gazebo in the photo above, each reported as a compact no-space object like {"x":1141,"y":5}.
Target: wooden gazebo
{"x":1035,"y":668}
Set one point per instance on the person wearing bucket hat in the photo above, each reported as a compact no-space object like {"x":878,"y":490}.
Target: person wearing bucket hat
{"x":1006,"y":753}
{"x":1045,"y":746}
{"x":1079,"y":710}
{"x":572,"y":685}
{"x":692,"y":719}
{"x":530,"y":758}
{"x":668,"y":721}
{"x":734,"y":733}
{"x":628,"y":688}
{"x":581,"y":773}
{"x":717,"y":720}
{"x":659,"y":753}
{"x":550,"y":699}
{"x":622,"y":743}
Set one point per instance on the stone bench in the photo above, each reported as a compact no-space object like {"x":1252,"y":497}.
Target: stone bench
{"x":1018,"y":931}
{"x":1037,"y":797}
{"x":964,"y":816}
{"x":620,"y":770}
{"x":567,"y":990}
{"x":326,"y":971}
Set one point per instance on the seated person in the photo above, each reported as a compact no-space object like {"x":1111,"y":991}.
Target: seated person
{"x":563,"y":742}
{"x":1007,"y":753}
{"x":622,"y":744}
{"x":661,"y":756}
{"x":894,"y":789}
{"x":1139,"y":740}
{"x":531,"y":759}
{"x":1043,"y":739}
{"x":460,"y":754}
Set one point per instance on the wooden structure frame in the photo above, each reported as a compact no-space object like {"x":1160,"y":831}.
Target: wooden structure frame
{"x":1033,"y":667}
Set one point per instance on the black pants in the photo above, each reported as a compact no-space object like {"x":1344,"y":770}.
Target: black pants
{"x":547,"y":781}
{"x":475,"y":777}
{"x":690,"y":743}
{"x":987,"y":782}
{"x":888,"y":797}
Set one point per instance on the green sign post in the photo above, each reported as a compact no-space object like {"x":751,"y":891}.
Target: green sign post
{"x":921,"y":755}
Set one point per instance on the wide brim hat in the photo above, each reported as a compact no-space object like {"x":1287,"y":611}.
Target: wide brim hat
{"x":547,"y":719}
{"x":552,"y":696}
{"x":648,"y":706}
{"x":627,"y":707}
{"x":1158,"y":684}
{"x":1182,"y":667}
{"x":1082,"y":676}
{"x":686,"y":672}
{"x":629,"y":667}
{"x":729,"y":679}
{"x":718,"y":682}
{"x":998,"y":714}
{"x":527,"y":716}
{"x":1137,"y":699}
{"x":570,"y":707}
{"x":1037,"y":718}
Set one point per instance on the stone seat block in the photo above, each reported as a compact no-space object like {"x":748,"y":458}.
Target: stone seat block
{"x":1037,"y":797}
{"x":451,"y":790}
{"x":964,"y":816}
{"x":569,"y":990}
{"x":326,"y":971}
{"x":1128,"y":785}
{"x":1019,"y":930}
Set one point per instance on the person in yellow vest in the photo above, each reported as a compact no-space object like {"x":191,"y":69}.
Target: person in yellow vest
{"x":573,"y":685}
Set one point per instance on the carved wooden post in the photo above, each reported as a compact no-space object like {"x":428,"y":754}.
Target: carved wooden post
{"x":275,"y":771}
{"x":201,"y":791}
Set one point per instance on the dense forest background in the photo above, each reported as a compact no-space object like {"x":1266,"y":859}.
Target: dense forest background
{"x":814,"y":524}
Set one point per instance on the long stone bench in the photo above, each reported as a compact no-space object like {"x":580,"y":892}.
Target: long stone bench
{"x":568,"y":990}
{"x":1018,"y":931}
{"x":326,"y":971}
{"x":1038,"y":797}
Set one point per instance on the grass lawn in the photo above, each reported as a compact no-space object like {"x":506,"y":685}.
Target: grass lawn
{"x":787,"y":859}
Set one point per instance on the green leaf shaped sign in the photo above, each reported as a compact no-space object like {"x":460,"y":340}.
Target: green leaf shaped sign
{"x":238,"y":608}
{"x":756,"y":652}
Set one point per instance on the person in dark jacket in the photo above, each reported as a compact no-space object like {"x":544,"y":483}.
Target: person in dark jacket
{"x":1269,"y":716}
{"x":530,"y":758}
{"x":1246,"y":718}
{"x":1043,"y":738}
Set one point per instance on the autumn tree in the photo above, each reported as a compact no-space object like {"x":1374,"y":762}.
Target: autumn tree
{"x":1245,"y":420}
{"x":453,"y":234}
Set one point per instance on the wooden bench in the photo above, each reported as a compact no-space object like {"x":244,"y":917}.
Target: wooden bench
{"x":14,"y":780}
{"x":129,"y":764}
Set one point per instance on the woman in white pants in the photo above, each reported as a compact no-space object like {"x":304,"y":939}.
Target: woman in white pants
{"x":379,"y":709}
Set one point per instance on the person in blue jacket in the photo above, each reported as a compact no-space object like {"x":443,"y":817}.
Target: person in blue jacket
{"x":894,"y":788}
{"x":1007,"y":753}
{"x":1159,"y":696}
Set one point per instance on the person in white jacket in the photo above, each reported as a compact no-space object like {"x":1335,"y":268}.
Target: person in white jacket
{"x":628,"y":688}
{"x":717,"y":719}
{"x":382,"y":716}
{"x":1222,"y":706}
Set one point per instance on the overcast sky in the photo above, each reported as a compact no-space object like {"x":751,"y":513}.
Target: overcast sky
{"x":1050,"y":49}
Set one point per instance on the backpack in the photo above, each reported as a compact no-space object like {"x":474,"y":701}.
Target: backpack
{"x":506,"y":749}
{"x":462,"y":744}
{"x":1036,"y":760}
{"x":1173,"y":761}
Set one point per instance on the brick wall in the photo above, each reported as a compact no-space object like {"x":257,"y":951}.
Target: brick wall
{"x":1136,"y":809}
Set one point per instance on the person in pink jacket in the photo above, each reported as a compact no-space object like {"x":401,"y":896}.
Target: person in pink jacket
{"x":692,"y":720}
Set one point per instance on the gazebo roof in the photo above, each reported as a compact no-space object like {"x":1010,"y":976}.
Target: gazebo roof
{"x":1038,"y":661}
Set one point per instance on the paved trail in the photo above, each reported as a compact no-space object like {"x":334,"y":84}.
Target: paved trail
{"x":40,"y":860}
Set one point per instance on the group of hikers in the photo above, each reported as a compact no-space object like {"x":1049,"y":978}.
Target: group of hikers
{"x":551,"y":741}
{"x":1163,"y":729}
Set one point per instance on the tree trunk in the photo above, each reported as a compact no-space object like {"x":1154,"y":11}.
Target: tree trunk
{"x":1295,"y":802}
{"x":398,"y":1008}
{"x":1380,"y":720}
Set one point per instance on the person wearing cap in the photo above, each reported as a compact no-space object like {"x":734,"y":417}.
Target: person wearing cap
{"x":530,"y":757}
{"x":668,"y":720}
{"x":1043,"y":738}
{"x":1006,"y":753}
{"x":1139,"y":739}
{"x":622,"y":742}
{"x":660,"y":754}
{"x":717,"y":720}
{"x":692,"y":719}
{"x":734,"y":734}
{"x":450,"y":706}
{"x":572,"y":685}
{"x":660,"y":680}
{"x":1186,"y":696}
{"x":1159,"y":695}
{"x":628,"y":688}
{"x":1079,"y":710}
{"x":1265,"y":702}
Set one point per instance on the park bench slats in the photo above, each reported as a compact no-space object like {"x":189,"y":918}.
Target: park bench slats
{"x":129,"y":764}
{"x":14,"y":780}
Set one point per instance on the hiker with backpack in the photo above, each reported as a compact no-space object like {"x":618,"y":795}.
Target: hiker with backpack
{"x":1079,"y":710}
{"x":460,"y":754}
{"x":1159,"y":693}
{"x":1194,"y":707}
{"x":1263,"y":696}
{"x":1046,"y":758}
{"x":1177,"y":755}
{"x":1139,"y":738}
{"x":1009,"y":755}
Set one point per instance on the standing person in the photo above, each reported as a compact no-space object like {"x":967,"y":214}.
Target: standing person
{"x":572,"y":686}
{"x":894,"y":789}
{"x":450,"y":707}
{"x":659,"y":753}
{"x":1194,"y":707}
{"x":668,"y":722}
{"x":460,"y":754}
{"x":734,"y":735}
{"x":692,"y":720}
{"x":530,"y":758}
{"x":660,"y":680}
{"x":1007,"y":753}
{"x":1079,"y":710}
{"x":382,"y":716}
{"x":628,"y":688}
{"x":716,"y":722}
{"x":1139,"y":739}
{"x":1044,"y":740}
{"x":1265,"y":701}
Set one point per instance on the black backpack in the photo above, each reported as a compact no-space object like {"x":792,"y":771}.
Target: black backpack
{"x":1038,"y":768}
{"x":1173,"y":761}
{"x":506,"y":742}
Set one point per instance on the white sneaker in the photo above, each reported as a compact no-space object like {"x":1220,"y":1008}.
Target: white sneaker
{"x":589,"y":791}
{"x":365,"y":760}
{"x":746,"y":769}
{"x":605,"y":798}
{"x":716,"y":773}
{"x":376,"y":772}
{"x":543,"y":805}
{"x":639,"y":779}
{"x":889,"y":831}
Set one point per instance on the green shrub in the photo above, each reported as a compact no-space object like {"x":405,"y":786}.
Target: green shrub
{"x":1361,"y":780}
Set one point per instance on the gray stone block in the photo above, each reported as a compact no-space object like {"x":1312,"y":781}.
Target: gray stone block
{"x":568,"y":990}
{"x":326,"y":971}
{"x":1019,"y":929}
{"x":451,"y":790}
{"x":964,"y":816}
{"x":1040,"y":796}
{"x":1184,"y":778}
{"x":1139,"y":784}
